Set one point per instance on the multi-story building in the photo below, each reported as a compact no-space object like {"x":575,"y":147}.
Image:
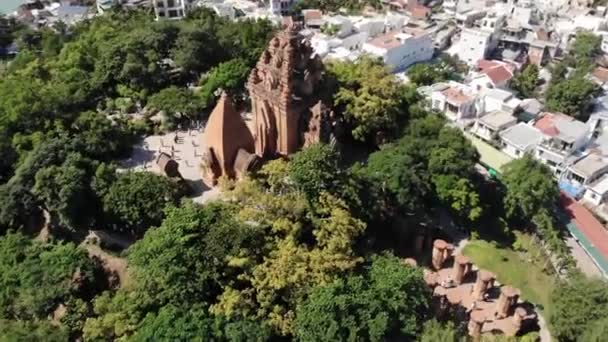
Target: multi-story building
{"x":402,"y":48}
{"x":281,"y":7}
{"x":171,"y":9}
{"x":562,"y":137}
{"x":474,"y":45}
{"x":490,"y":125}
{"x":457,"y":101}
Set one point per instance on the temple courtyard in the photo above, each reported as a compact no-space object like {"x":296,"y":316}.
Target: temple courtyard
{"x":184,"y":146}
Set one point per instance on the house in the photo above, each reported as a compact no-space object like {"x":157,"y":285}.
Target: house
{"x":562,"y":136}
{"x":313,"y":18}
{"x":171,"y":9}
{"x":342,"y":26}
{"x":519,"y":139}
{"x":372,"y":26}
{"x":402,"y":48}
{"x":491,"y":74}
{"x":490,"y":125}
{"x":497,"y":99}
{"x":474,"y":45}
{"x":281,"y":7}
{"x":455,"y":100}
{"x":584,"y":171}
{"x":597,"y":191}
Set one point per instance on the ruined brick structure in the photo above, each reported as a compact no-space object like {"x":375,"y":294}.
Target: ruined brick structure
{"x":286,"y":108}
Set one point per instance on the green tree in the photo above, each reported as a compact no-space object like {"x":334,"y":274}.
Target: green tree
{"x":426,"y":74}
{"x":369,"y":97}
{"x":64,"y":190}
{"x":35,"y":277}
{"x":176,"y":102}
{"x":585,"y":48}
{"x":434,"y":331}
{"x":315,"y":169}
{"x":577,"y":305}
{"x":135,"y":201}
{"x":175,"y":324}
{"x":196,"y":51}
{"x":389,"y":301}
{"x":31,"y":331}
{"x":530,"y":188}
{"x":571,"y":96}
{"x":229,"y":76}
{"x":596,"y":331}
{"x":526,"y":81}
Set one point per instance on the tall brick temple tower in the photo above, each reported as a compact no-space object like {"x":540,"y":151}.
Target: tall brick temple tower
{"x":283,"y":89}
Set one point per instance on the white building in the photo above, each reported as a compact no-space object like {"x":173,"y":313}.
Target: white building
{"x":455,"y":100}
{"x":104,"y":5}
{"x":402,"y":48}
{"x":490,"y":125}
{"x":597,"y":192}
{"x":496,"y":99}
{"x":586,"y":170}
{"x":171,"y":9}
{"x":281,"y":7}
{"x":519,"y":139}
{"x":474,"y":45}
{"x":562,"y":137}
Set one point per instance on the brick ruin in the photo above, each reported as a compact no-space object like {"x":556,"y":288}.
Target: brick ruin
{"x":490,"y":309}
{"x":286,"y":109}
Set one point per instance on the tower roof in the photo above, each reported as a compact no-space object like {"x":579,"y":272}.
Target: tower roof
{"x":226,"y":132}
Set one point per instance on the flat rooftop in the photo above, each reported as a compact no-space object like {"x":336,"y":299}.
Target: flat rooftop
{"x":589,"y":165}
{"x":522,"y":135}
{"x":498,"y":119}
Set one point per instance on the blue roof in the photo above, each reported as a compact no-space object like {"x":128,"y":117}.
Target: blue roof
{"x":571,"y":189}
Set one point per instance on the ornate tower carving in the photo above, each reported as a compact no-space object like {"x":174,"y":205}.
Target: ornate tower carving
{"x":282,"y":88}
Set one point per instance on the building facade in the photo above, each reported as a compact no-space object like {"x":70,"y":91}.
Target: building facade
{"x":171,"y":9}
{"x":401,"y":48}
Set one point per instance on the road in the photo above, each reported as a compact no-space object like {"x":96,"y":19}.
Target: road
{"x":583,"y":261}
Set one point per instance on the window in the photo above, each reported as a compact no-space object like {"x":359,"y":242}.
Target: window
{"x":161,"y":14}
{"x":173,"y":14}
{"x":594,"y":196}
{"x":170,"y":3}
{"x":517,"y":152}
{"x":160,"y":4}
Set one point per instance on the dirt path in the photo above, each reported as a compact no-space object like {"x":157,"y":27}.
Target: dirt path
{"x":112,"y":264}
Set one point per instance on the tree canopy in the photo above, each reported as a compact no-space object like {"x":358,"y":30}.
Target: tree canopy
{"x":579,"y":307}
{"x":530,"y":188}
{"x":371,"y":100}
{"x":387,"y":302}
{"x":525,"y":82}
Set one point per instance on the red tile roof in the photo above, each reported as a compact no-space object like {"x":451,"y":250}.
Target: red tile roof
{"x":419,"y":11}
{"x":587,"y":224}
{"x":546,"y":123}
{"x":497,"y":71}
{"x":499,"y":74}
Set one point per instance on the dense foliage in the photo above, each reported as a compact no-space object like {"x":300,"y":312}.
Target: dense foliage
{"x":526,"y":81}
{"x":431,"y":163}
{"x":387,"y":302}
{"x":571,"y":92}
{"x":580,"y":307}
{"x":426,"y":74}
{"x":372,"y":101}
{"x":36,"y":278}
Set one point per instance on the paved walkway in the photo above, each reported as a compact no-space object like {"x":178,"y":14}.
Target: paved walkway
{"x":583,"y":260}
{"x":185,"y":148}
